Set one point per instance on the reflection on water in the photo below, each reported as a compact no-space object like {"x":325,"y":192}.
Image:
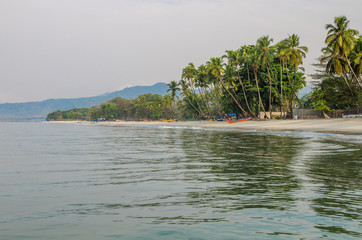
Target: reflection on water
{"x":121,"y":182}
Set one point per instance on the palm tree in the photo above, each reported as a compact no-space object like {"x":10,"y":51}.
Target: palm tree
{"x":263,"y":44}
{"x":295,"y":55}
{"x":216,"y":70}
{"x":201,"y":82}
{"x":246,"y":57}
{"x":337,"y":64}
{"x":173,"y":88}
{"x":341,"y":40}
{"x":283,"y":58}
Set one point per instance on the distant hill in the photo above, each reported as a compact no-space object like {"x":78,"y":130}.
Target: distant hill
{"x":307,"y":89}
{"x":39,"y":110}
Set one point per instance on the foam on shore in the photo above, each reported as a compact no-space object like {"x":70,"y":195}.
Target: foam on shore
{"x":344,"y":126}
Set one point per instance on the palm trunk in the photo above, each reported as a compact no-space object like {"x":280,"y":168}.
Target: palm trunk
{"x":354,"y":74}
{"x":205,"y":103}
{"x":270,"y":72}
{"x":293,"y":91}
{"x":235,"y":94}
{"x":217,"y":90}
{"x":271,"y":77}
{"x":197,"y":101}
{"x":257,"y":85}
{"x":187,"y":98}
{"x":232,"y":96}
{"x":281,"y":88}
{"x":246,"y":99}
{"x":247,"y":68}
{"x":270,"y":94}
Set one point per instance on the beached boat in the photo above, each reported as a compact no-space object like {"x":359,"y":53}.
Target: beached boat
{"x":238,"y":120}
{"x":170,"y":120}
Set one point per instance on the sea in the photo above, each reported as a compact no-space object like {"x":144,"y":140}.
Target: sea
{"x":98,"y":181}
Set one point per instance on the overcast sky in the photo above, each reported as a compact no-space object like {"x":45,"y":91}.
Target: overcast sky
{"x":80,"y":48}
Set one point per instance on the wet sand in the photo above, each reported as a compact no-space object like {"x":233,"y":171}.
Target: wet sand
{"x":344,"y":126}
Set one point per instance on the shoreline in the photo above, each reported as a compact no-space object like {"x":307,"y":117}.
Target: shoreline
{"x":336,"y":125}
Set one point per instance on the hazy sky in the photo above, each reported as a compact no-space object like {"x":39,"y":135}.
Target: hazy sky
{"x":79,"y":48}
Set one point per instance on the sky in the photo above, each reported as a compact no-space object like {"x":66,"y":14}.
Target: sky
{"x":83,"y":48}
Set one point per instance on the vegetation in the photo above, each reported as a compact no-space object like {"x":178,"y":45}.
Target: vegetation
{"x":251,"y":80}
{"x":247,"y":81}
{"x":75,"y":113}
{"x":147,"y":106}
{"x":338,"y":77}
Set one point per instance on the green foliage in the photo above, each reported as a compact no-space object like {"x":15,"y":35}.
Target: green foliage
{"x":334,"y":94}
{"x":75,"y":113}
{"x":147,"y":106}
{"x":339,"y":83}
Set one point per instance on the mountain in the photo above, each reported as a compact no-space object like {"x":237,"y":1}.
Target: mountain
{"x":307,"y":89}
{"x":39,"y":110}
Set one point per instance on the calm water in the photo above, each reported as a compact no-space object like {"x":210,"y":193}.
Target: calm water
{"x":77,"y":181}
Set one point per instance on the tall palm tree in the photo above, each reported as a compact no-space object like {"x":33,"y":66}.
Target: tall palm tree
{"x":283,"y":58}
{"x":295,"y":54}
{"x":201,"y":83}
{"x":263,"y":43}
{"x":246,"y":57}
{"x":216,"y":71}
{"x":341,"y":39}
{"x":173,"y":88}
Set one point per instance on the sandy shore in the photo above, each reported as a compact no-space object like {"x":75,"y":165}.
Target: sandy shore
{"x":344,"y":126}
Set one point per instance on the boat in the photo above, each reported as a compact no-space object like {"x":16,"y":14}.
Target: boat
{"x":170,"y":120}
{"x":238,"y":120}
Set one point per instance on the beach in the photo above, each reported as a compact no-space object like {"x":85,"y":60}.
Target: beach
{"x":338,"y":125}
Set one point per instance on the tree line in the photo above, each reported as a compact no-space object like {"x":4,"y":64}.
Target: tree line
{"x":145,"y":107}
{"x":250,"y":80}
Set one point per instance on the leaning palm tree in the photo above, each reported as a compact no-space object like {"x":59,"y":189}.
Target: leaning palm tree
{"x":190,"y":73}
{"x":337,"y":65}
{"x":186,"y":94}
{"x":234,"y":59}
{"x":356,"y":58}
{"x":341,"y":39}
{"x":228,"y":83}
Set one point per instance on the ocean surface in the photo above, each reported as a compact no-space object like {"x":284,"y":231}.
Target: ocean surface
{"x":89,"y":181}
